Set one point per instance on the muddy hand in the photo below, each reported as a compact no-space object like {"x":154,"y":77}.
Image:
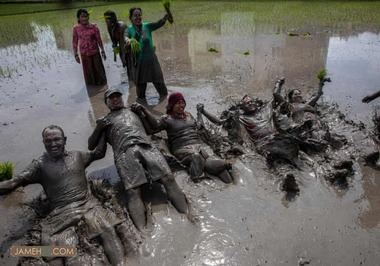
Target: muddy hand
{"x":77,"y":58}
{"x":200,"y":107}
{"x":104,"y":55}
{"x":102,"y":122}
{"x":367,"y":99}
{"x":137,"y":108}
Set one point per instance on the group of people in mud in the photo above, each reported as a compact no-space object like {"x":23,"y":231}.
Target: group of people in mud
{"x":282,"y":130}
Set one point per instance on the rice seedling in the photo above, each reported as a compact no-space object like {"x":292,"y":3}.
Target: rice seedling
{"x":291,"y":34}
{"x":116,"y":50}
{"x":166,"y":4}
{"x":6,"y":170}
{"x":322,"y":74}
{"x":213,"y":50}
{"x":135,"y":46}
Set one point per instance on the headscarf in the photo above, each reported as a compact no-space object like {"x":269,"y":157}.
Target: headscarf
{"x":173,"y":99}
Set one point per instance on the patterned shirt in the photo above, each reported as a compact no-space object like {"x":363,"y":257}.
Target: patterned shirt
{"x":89,"y":39}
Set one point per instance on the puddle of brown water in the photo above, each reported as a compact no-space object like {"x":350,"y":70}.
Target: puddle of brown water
{"x":242,"y":224}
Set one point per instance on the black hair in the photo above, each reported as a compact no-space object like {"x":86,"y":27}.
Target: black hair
{"x":80,"y":11}
{"x":133,"y":10}
{"x":110,"y":15}
{"x":53,"y":127}
{"x":290,"y":94}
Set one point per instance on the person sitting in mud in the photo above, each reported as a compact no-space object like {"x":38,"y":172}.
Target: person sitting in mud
{"x":137,"y":161}
{"x":280,"y":150}
{"x":300,"y":110}
{"x":184,"y":141}
{"x":62,"y":176}
{"x":256,"y":120}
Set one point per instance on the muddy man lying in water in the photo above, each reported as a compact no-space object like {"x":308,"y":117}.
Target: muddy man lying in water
{"x":137,"y":161}
{"x":62,"y":176}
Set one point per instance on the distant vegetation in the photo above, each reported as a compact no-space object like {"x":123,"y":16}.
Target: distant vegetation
{"x":14,"y":7}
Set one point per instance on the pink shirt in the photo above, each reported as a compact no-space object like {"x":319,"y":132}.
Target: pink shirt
{"x":89,"y":39}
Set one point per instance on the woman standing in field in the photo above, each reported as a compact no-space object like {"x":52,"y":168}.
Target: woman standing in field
{"x":88,"y":36}
{"x":145,"y":65}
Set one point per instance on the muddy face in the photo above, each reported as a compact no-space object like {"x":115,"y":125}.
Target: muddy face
{"x":179,"y":108}
{"x":115,"y":101}
{"x":54,"y":142}
{"x":295,"y":96}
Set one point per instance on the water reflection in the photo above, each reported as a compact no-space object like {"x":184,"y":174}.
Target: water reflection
{"x":352,"y":61}
{"x":354,"y":65}
{"x":39,"y":52}
{"x":370,"y":217}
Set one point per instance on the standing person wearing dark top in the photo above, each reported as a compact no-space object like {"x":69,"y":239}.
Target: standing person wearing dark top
{"x":137,"y":161}
{"x":145,"y":65}
{"x":116,"y":29}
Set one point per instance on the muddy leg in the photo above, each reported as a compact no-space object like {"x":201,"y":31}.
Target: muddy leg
{"x":161,"y":89}
{"x":140,"y":90}
{"x":112,"y":246}
{"x":218,"y":167}
{"x":128,"y":240}
{"x":175,"y":194}
{"x":136,"y":208}
{"x":195,"y":164}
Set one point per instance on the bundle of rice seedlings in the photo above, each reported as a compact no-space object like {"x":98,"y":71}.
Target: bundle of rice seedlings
{"x":116,"y":50}
{"x":135,"y":46}
{"x":6,"y":171}
{"x":322,"y":74}
{"x":213,"y":50}
{"x":166,"y":4}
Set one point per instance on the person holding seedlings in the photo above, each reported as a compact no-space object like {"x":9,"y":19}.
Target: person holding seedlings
{"x":62,"y":176}
{"x":137,"y":161}
{"x":87,"y":36}
{"x":145,"y":64}
{"x":116,"y":29}
{"x":184,"y":141}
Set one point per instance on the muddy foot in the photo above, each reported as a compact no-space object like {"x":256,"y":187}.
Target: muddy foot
{"x":290,"y":186}
{"x":339,"y":177}
{"x":373,"y":159}
{"x":344,"y":165}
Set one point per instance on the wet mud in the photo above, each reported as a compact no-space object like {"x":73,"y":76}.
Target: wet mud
{"x":330,"y":217}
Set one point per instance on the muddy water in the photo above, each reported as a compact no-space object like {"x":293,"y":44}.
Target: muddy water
{"x":247,"y":223}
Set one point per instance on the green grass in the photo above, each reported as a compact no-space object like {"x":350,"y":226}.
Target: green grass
{"x":195,"y":13}
{"x":6,"y":171}
{"x":14,"y":9}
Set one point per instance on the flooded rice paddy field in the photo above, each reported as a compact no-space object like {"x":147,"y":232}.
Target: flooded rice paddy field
{"x":247,"y":223}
